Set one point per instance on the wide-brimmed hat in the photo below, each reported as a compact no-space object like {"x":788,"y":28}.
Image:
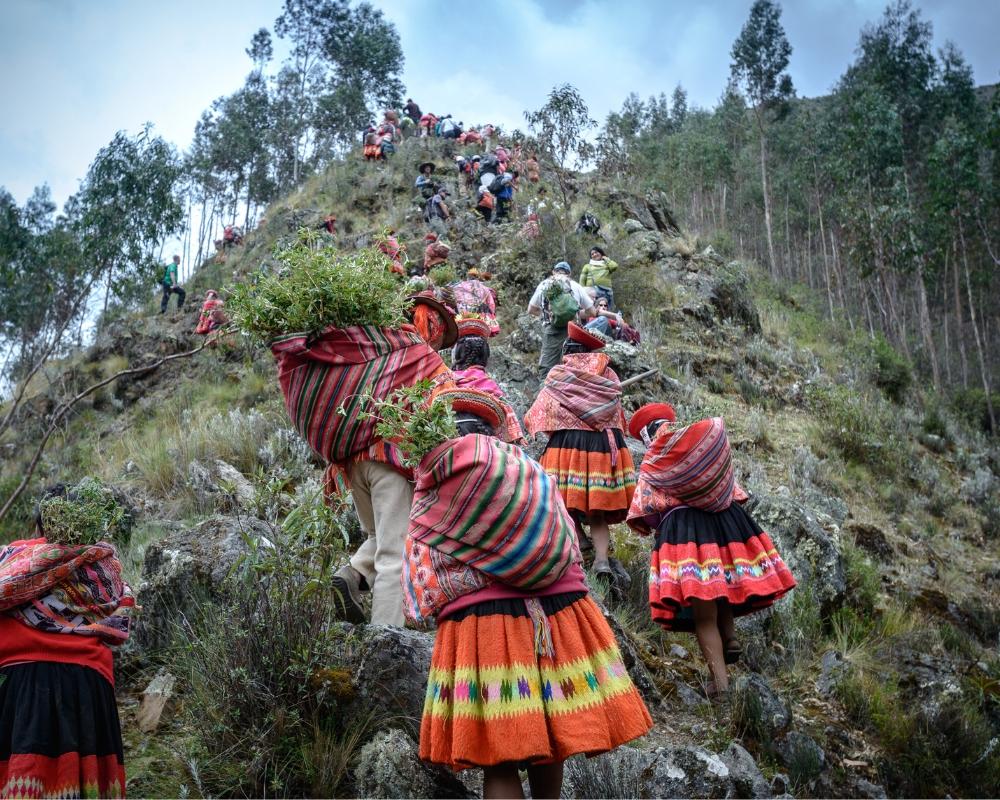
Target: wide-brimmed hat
{"x":447,"y":315}
{"x":589,"y":339}
{"x":430,"y":237}
{"x":430,"y":164}
{"x":651,"y":412}
{"x":472,"y":325}
{"x":473,"y":401}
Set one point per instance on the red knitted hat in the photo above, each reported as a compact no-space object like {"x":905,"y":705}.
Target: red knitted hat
{"x":581,"y":335}
{"x":650,"y":413}
{"x":431,"y":237}
{"x":473,"y":401}
{"x":472,"y":325}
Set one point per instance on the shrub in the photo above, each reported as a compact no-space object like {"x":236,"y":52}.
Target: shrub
{"x":970,"y":405}
{"x":862,"y":429}
{"x":86,"y":513}
{"x":891,"y":372}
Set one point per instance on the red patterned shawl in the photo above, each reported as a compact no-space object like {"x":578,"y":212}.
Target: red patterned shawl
{"x":318,"y":376}
{"x":475,"y":377}
{"x":580,"y":393}
{"x":489,"y":506}
{"x":690,"y":466}
{"x":65,"y":589}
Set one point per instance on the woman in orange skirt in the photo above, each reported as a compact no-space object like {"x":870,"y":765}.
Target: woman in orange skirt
{"x":579,"y":406}
{"x":526,"y":671}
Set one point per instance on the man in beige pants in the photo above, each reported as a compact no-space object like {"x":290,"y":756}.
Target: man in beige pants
{"x":382,"y":498}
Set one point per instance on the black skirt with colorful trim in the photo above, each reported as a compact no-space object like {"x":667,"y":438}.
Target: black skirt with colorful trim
{"x":701,"y":555}
{"x":59,"y":733}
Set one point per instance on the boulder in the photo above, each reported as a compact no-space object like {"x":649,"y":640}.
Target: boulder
{"x":761,"y":708}
{"x":632,"y":226}
{"x":219,"y":484}
{"x":389,"y":766}
{"x":526,"y":335}
{"x":832,"y":669}
{"x":184,"y":569}
{"x":801,"y":755}
{"x":675,"y":771}
{"x":732,"y":298}
{"x":810,"y":551}
{"x":391,"y":672}
{"x":154,"y":700}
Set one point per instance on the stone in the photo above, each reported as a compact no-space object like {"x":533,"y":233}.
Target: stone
{"x":749,"y":781}
{"x":221,"y":485}
{"x":872,"y":540}
{"x":526,"y":335}
{"x":632,"y":226}
{"x":804,"y":758}
{"x":810,"y":551}
{"x":934,"y":443}
{"x":770,"y":713}
{"x":679,"y":652}
{"x":780,"y":784}
{"x":389,"y":766}
{"x":832,"y":669}
{"x":865,"y":788}
{"x":391,"y":671}
{"x":154,"y":700}
{"x":732,"y":298}
{"x":183,"y":570}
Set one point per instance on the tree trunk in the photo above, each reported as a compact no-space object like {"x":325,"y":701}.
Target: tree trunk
{"x":767,"y":193}
{"x":975,"y":329}
{"x":959,"y":326}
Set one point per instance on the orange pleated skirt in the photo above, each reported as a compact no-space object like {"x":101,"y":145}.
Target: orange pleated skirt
{"x":594,"y":477}
{"x":492,"y":699}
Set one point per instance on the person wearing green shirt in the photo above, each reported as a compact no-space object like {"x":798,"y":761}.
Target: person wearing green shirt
{"x":596,"y":275}
{"x":171,"y":285}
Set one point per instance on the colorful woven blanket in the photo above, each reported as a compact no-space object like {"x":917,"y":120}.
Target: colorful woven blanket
{"x":491,"y":507}
{"x":580,"y":393}
{"x":475,"y":377}
{"x":65,"y":589}
{"x":690,"y":466}
{"x":475,"y":297}
{"x":318,"y":376}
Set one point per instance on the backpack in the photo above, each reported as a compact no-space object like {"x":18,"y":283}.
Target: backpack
{"x":489,"y":163}
{"x":495,"y":185}
{"x":563,"y":306}
{"x":588,"y":224}
{"x":486,"y":200}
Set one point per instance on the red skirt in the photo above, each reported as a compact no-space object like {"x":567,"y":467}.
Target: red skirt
{"x":590,"y":480}
{"x":59,"y":733}
{"x":711,"y":556}
{"x":492,"y":699}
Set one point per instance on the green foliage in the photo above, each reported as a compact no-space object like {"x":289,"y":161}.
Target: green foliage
{"x":971,"y":406}
{"x":891,"y":372}
{"x":267,"y":686}
{"x":317,"y":287}
{"x":411,"y":423}
{"x":443,"y":274}
{"x":798,"y":623}
{"x":760,"y":56}
{"x":861,"y":428}
{"x":86,"y":514}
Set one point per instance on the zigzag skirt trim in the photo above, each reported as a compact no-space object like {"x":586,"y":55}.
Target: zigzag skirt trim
{"x":581,"y":463}
{"x":491,"y":699}
{"x":713,"y":556}
{"x":59,"y":733}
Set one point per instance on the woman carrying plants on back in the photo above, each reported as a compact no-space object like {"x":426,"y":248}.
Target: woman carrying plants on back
{"x":525,"y":671}
{"x":60,"y":597}
{"x":711,"y":562}
{"x":579,"y":407}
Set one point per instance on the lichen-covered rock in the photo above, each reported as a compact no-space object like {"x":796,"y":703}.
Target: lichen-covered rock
{"x":800,"y":753}
{"x":809,"y":550}
{"x":220,"y":484}
{"x":758,"y":704}
{"x":390,"y":766}
{"x":186,"y":568}
{"x":747,"y":778}
{"x":391,"y":672}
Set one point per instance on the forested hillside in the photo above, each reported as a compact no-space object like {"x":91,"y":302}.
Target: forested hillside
{"x":819,"y":272}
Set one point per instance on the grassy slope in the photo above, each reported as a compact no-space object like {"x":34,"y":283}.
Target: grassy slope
{"x":778,"y":394}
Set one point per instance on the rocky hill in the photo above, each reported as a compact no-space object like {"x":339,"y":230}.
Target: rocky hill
{"x":879,"y":675}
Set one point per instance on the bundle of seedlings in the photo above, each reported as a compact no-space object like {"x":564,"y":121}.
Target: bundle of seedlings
{"x":335,"y":323}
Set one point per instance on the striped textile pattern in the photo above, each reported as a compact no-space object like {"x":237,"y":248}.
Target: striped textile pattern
{"x":687,"y":466}
{"x":488,"y":505}
{"x":580,"y":393}
{"x":317,"y":376}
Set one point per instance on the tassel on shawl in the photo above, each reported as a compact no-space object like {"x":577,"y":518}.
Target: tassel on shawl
{"x":614,"y":447}
{"x":543,"y":630}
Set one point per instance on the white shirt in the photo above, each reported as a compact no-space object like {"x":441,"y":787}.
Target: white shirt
{"x":580,"y":294}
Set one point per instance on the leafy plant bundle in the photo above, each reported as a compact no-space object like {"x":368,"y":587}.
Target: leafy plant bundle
{"x":88,"y":513}
{"x":443,"y":274}
{"x":317,"y":287}
{"x":415,"y":426}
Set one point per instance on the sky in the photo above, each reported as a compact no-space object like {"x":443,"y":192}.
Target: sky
{"x":77,"y":71}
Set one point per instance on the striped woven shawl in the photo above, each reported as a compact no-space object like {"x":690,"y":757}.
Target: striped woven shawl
{"x":580,"y":393}
{"x":690,"y":466}
{"x":488,"y":505}
{"x":317,"y":376}
{"x":65,"y":589}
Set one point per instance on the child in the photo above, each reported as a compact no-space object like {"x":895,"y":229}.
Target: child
{"x":710,"y":562}
{"x":579,"y":406}
{"x":59,"y":730}
{"x":525,"y":670}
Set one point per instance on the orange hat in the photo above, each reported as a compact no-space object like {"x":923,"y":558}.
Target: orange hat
{"x":651,"y":412}
{"x":472,"y":325}
{"x":439,"y":330}
{"x":587,"y":338}
{"x":473,"y":401}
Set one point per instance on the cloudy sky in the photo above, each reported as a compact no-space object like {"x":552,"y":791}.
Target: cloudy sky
{"x":76,"y":71}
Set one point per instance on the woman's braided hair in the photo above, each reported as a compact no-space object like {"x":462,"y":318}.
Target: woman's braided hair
{"x":470,"y":351}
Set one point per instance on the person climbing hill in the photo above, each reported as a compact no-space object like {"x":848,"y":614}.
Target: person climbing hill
{"x":710,"y":561}
{"x":435,"y":252}
{"x":212,"y":315}
{"x":171,"y":285}
{"x":596,"y":275}
{"x":579,"y":407}
{"x":425,"y":183}
{"x":526,"y":671}
{"x":558,"y":300}
{"x":412,"y":110}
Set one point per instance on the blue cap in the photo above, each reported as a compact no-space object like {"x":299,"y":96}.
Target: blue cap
{"x":563,"y":266}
